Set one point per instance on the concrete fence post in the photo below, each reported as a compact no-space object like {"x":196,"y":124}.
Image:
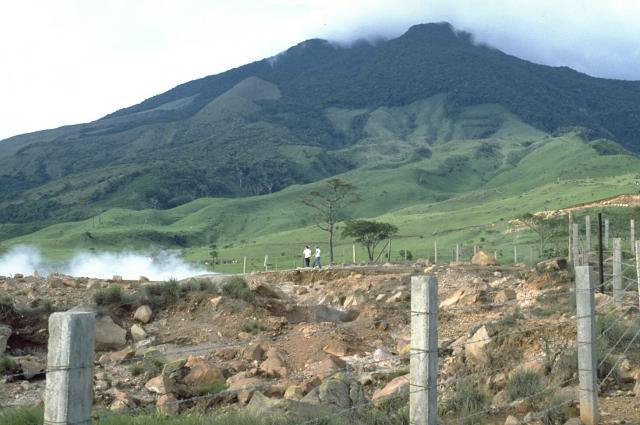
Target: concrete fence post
{"x":632,"y":226}
{"x":423,"y":408}
{"x":570,"y":251}
{"x":266,"y":263}
{"x":354,"y":253}
{"x":457,"y":253}
{"x":244,"y":264}
{"x":587,"y":239}
{"x":68,"y":395}
{"x":515,"y":254}
{"x":638,"y":269}
{"x":617,"y":271}
{"x":575,"y":246}
{"x":475,"y":249}
{"x":587,"y":370}
{"x":435,"y":252}
{"x":606,"y":233}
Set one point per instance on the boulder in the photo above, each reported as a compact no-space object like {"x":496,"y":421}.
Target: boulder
{"x":354,"y":300}
{"x":512,"y":420}
{"x":466,"y":296}
{"x":5,"y":333}
{"x":397,"y":297}
{"x":137,"y":332}
{"x":327,"y":367}
{"x":397,"y":387}
{"x":553,"y":264}
{"x":336,"y":348}
{"x":481,"y":258}
{"x":109,"y":335}
{"x":504,"y":295}
{"x":574,"y":421}
{"x":336,"y":392}
{"x":168,"y":404}
{"x":252,"y":352}
{"x":143,"y":279}
{"x":382,"y":354}
{"x":476,"y":347}
{"x":274,"y":366}
{"x":294,"y":392}
{"x":143,"y":314}
{"x":261,"y":405}
{"x":201,"y":376}
{"x":159,"y":385}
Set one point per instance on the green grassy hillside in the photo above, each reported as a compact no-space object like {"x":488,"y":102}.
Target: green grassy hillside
{"x":465,"y":192}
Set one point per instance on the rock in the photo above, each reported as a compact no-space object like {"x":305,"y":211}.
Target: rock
{"x":553,"y":264}
{"x":227,"y":353}
{"x":574,"y":421}
{"x":512,"y":420}
{"x":243,"y":383}
{"x":31,"y":366}
{"x":143,"y":314}
{"x":403,"y":346}
{"x":274,"y":366}
{"x":397,"y":297}
{"x":336,"y":348}
{"x":261,"y":405}
{"x":267,"y":291}
{"x":336,"y":392}
{"x":397,"y":387}
{"x":5,"y":333}
{"x":159,"y":385}
{"x":119,"y":356}
{"x":215,"y":301}
{"x":202,"y":375}
{"x":252,"y":352}
{"x":327,"y":367}
{"x":498,"y":274}
{"x":18,"y":276}
{"x":293,"y":392}
{"x":354,"y":300}
{"x":504,"y":295}
{"x":138,"y":333}
{"x":109,"y":335}
{"x":500,"y":400}
{"x":529,"y":417}
{"x":466,"y":296}
{"x":382,"y":354}
{"x":476,"y":347}
{"x":626,"y":372}
{"x":481,"y":258}
{"x":168,"y":404}
{"x":143,"y":279}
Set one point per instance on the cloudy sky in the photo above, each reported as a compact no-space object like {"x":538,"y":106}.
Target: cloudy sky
{"x":72,"y":61}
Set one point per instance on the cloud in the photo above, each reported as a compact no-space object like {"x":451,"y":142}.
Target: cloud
{"x":72,"y":61}
{"x":156,"y":266}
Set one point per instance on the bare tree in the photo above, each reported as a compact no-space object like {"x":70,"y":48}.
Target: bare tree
{"x":328,"y":203}
{"x":546,"y":229}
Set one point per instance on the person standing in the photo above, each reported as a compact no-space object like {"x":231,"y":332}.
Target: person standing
{"x":316,"y":261}
{"x":307,"y":256}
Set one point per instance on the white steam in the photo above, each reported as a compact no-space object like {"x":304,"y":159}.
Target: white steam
{"x":161,"y":265}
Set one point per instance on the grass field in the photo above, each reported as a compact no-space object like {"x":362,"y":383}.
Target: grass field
{"x":442,"y":198}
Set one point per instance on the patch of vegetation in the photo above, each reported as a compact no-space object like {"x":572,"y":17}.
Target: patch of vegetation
{"x":8,"y":312}
{"x":468,"y":402}
{"x":214,"y":388}
{"x":526,"y":384}
{"x":161,"y":294}
{"x":6,"y":364}
{"x":253,"y":327}
{"x":554,"y":413}
{"x":238,"y":288}
{"x":113,"y":295}
{"x":136,"y":369}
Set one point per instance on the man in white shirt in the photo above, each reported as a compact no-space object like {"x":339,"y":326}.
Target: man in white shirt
{"x":307,"y":256}
{"x":316,"y":262}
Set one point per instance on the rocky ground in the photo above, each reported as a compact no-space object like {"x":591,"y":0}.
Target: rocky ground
{"x":313,"y":342}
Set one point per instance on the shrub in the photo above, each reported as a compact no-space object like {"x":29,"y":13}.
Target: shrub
{"x":554,"y":414}
{"x":110,"y":296}
{"x":468,"y":401}
{"x":524,"y":384}
{"x":6,"y":364}
{"x":136,"y":370}
{"x":253,"y":327}
{"x":237,"y":288}
{"x":162,"y":293}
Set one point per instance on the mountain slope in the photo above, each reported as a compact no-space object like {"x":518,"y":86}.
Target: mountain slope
{"x":314,"y":111}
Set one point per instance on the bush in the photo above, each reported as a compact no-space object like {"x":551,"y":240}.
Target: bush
{"x":110,"y":296}
{"x":253,"y":327}
{"x":161,"y":294}
{"x":6,"y":364}
{"x":238,"y":288}
{"x":136,"y":370}
{"x":554,"y":414}
{"x":524,"y":384}
{"x":468,"y":401}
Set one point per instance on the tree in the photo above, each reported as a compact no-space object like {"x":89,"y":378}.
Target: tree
{"x":546,"y":229}
{"x":329,"y":202}
{"x":369,"y":233}
{"x":213,"y":253}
